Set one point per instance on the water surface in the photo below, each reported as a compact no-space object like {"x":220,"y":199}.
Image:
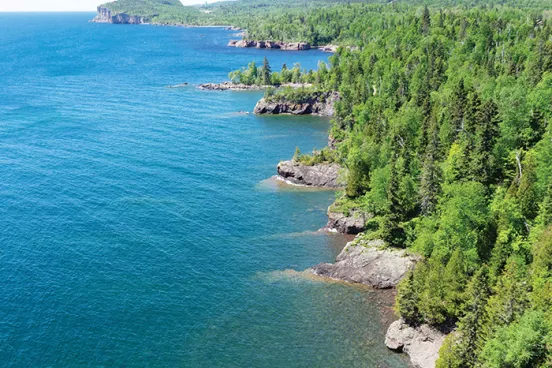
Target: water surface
{"x":136,"y":228}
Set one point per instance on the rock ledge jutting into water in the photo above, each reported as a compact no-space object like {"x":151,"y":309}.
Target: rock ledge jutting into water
{"x":285,"y":46}
{"x":368,"y":262}
{"x":421,"y":343}
{"x":321,"y":104}
{"x":229,"y":86}
{"x":319,"y":175}
{"x":352,"y":223}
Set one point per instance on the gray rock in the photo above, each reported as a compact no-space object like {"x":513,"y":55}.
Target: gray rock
{"x":229,"y":86}
{"x":369,"y":263}
{"x":421,"y":343}
{"x":285,"y":46}
{"x":353,"y":223}
{"x":320,"y":175}
{"x":321,"y":104}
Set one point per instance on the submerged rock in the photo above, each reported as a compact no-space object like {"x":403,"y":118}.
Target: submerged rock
{"x":318,"y":104}
{"x":370,"y":263}
{"x":353,"y":223}
{"x":319,"y":175}
{"x":421,"y":343}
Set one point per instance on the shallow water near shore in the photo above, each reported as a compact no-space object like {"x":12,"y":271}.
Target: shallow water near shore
{"x":134,"y":229}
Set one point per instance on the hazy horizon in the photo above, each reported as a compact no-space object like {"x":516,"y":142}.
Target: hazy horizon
{"x":65,"y":5}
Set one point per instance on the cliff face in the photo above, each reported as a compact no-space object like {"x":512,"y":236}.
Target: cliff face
{"x":104,"y":16}
{"x":322,"y":105}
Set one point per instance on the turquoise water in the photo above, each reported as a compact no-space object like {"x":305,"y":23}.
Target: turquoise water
{"x":137,"y":227}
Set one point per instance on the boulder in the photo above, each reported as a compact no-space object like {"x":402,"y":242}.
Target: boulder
{"x":421,"y":343}
{"x":319,"y":175}
{"x":370,"y":263}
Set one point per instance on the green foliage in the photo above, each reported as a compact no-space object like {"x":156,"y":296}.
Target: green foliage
{"x":443,"y":125}
{"x":519,"y":345}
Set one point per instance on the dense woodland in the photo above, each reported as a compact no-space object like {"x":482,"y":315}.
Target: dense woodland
{"x":444,"y":130}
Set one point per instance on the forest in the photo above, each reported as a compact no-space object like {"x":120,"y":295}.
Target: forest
{"x":444,"y":130}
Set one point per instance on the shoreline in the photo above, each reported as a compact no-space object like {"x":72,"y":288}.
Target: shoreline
{"x":386,"y":295}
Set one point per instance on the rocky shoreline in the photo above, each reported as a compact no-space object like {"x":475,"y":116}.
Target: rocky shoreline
{"x":368,"y":262}
{"x":371,"y":263}
{"x":351,"y":223}
{"x":321,"y":104}
{"x":421,"y":343}
{"x":320,"y":175}
{"x":284,"y":46}
{"x":230,"y":86}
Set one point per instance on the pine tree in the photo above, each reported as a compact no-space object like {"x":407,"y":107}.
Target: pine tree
{"x":391,"y":229}
{"x":457,"y":107}
{"x":486,"y":132}
{"x":455,"y":279}
{"x":426,"y":21}
{"x":472,"y":324}
{"x":266,"y":72}
{"x":511,"y":295}
{"x":430,"y":182}
{"x":432,"y":299}
{"x":407,"y":299}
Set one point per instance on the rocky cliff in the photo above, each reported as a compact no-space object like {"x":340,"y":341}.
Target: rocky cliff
{"x":421,"y":343}
{"x":370,"y":263}
{"x":320,"y":175}
{"x":285,"y":46}
{"x":105,"y":16}
{"x":321,"y":104}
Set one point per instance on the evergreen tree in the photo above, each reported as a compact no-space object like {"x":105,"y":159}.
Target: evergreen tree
{"x":425,"y":23}
{"x":408,"y":298}
{"x":455,"y":279}
{"x":487,"y":130}
{"x":511,"y":295}
{"x":430,"y":182}
{"x":472,"y":324}
{"x":266,"y":72}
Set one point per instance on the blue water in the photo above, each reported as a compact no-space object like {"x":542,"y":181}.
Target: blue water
{"x":137,"y":227}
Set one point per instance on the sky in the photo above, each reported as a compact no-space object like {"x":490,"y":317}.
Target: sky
{"x":62,"y":5}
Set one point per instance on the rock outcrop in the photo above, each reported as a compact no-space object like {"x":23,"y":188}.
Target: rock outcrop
{"x":229,"y":86}
{"x":105,"y":16}
{"x":421,"y":343}
{"x":319,"y":175}
{"x":285,"y":46}
{"x":329,"y":48}
{"x":352,"y":223}
{"x":321,"y":104}
{"x":370,"y":263}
